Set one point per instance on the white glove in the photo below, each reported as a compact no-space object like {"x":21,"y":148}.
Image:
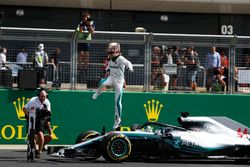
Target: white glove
{"x":130,"y":67}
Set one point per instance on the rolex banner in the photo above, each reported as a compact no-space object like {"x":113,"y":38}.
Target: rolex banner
{"x":74,"y":111}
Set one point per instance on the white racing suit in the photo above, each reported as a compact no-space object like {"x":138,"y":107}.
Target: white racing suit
{"x":116,"y":66}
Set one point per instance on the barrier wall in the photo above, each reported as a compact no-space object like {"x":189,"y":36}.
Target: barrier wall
{"x":75,"y":111}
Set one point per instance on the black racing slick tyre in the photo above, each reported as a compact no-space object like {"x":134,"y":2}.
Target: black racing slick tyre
{"x":86,"y":135}
{"x":116,"y":147}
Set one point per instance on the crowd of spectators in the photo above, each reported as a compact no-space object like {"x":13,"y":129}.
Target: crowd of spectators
{"x":36,"y":60}
{"x":214,"y":67}
{"x":189,"y":64}
{"x":181,"y":57}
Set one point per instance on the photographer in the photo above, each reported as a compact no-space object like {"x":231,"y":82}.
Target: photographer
{"x":41,"y":105}
{"x":85,"y":30}
{"x":160,"y":80}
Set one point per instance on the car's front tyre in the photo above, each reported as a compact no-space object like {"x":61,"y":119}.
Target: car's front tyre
{"x":116,"y":147}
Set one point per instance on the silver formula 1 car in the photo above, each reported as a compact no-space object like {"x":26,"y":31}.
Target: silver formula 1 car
{"x":196,"y":137}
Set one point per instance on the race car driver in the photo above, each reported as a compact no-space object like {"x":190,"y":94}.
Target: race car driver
{"x":116,"y":67}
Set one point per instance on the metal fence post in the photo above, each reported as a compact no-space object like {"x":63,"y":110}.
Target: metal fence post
{"x":231,"y":83}
{"x":147,"y":63}
{"x":73,"y":62}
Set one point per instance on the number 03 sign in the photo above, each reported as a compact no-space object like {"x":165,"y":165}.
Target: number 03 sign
{"x":227,"y":30}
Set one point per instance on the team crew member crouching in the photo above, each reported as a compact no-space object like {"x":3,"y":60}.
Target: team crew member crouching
{"x":42,"y":121}
{"x":116,"y":68}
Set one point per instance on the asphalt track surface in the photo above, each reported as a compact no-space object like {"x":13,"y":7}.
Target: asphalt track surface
{"x":17,"y":158}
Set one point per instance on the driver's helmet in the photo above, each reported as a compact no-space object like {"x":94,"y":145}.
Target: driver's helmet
{"x":148,"y":129}
{"x":114,"y":49}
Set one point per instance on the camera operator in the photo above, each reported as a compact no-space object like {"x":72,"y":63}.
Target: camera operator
{"x":42,"y":121}
{"x":85,"y":28}
{"x":160,"y":80}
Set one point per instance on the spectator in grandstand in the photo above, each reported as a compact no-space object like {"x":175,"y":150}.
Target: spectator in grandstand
{"x":224,"y":68}
{"x":156,"y":57}
{"x":169,"y":55}
{"x":55,"y":58}
{"x":193,"y":51}
{"x":104,"y":67}
{"x":41,"y":57}
{"x":22,"y":56}
{"x":192,"y":62}
{"x":219,"y":80}
{"x":168,"y":58}
{"x":176,"y":60}
{"x":41,"y":105}
{"x":116,"y":67}
{"x":162,"y":55}
{"x":213,"y":63}
{"x":224,"y":59}
{"x":85,"y":28}
{"x":155,"y":60}
{"x":40,"y":60}
{"x":3,"y":52}
{"x":166,"y":55}
{"x":247,"y":61}
{"x":183,"y":53}
{"x":160,"y":80}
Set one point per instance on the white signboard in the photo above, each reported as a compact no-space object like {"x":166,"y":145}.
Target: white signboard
{"x":244,"y":76}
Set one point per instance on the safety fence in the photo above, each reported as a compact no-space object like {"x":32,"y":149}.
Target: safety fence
{"x":162,"y":62}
